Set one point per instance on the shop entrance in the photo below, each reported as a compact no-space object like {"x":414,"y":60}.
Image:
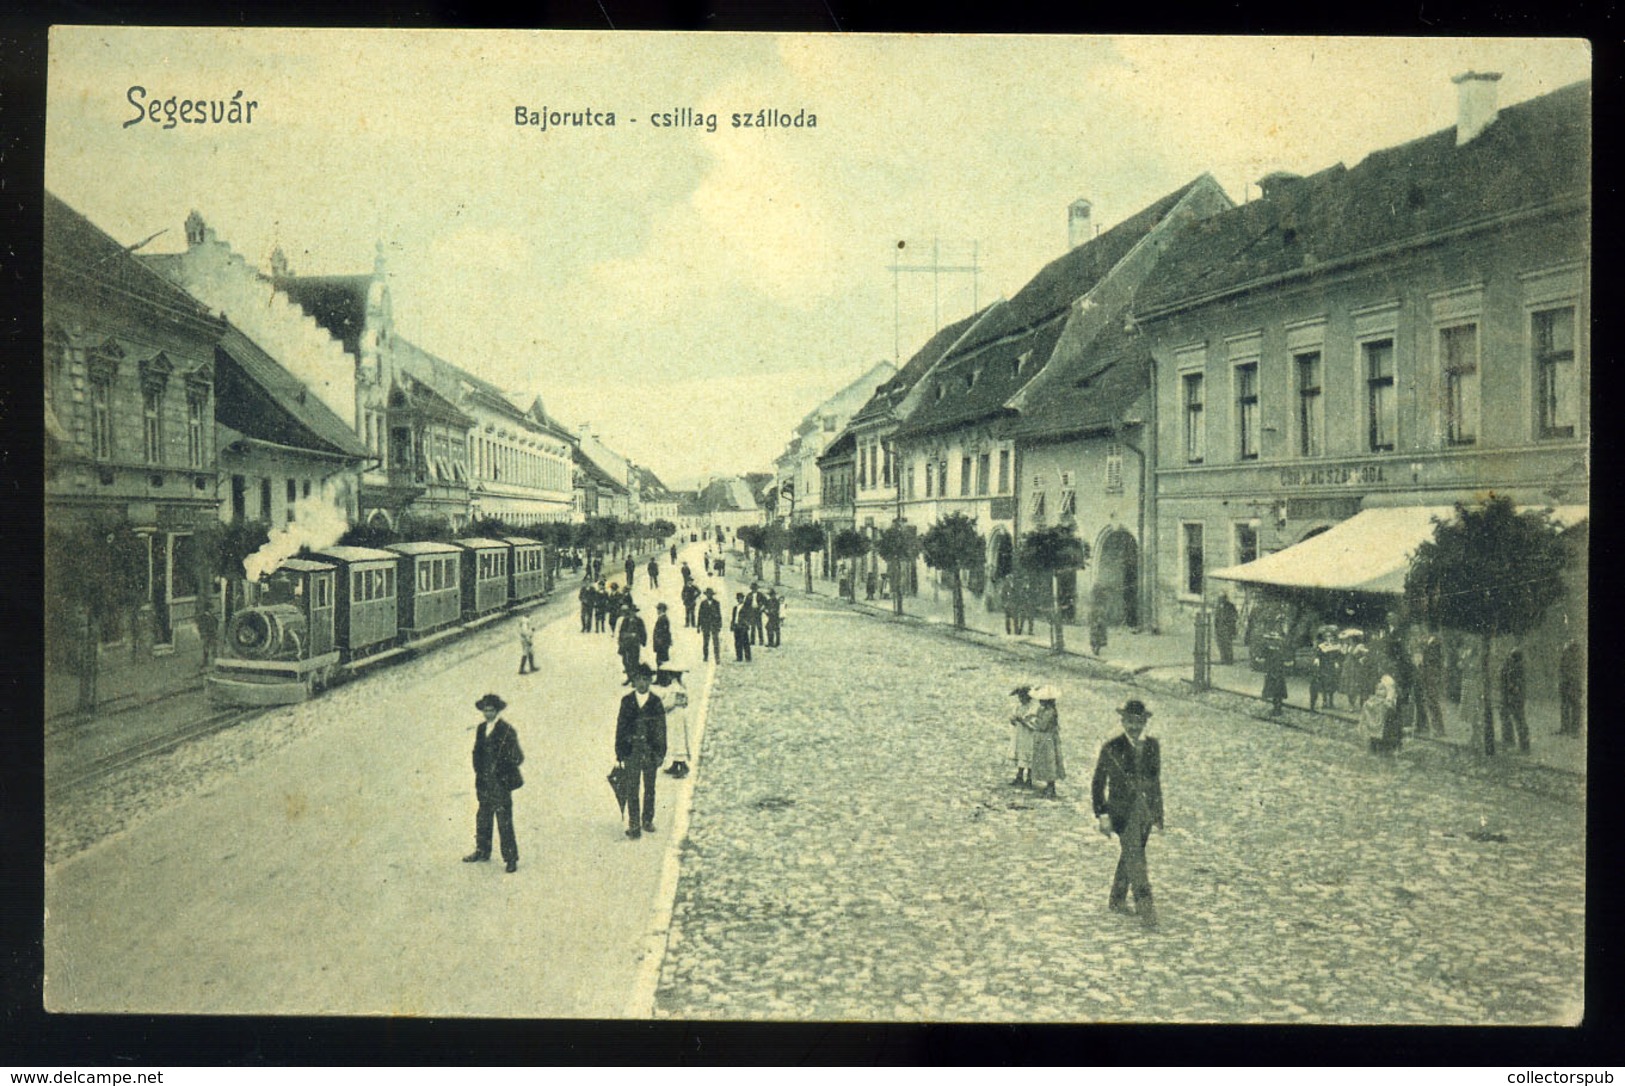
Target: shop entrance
{"x":1117,"y":577}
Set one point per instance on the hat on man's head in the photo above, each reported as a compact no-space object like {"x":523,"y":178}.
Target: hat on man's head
{"x":660,"y":607}
{"x":490,"y":701}
{"x":1134,"y":709}
{"x":643,"y":669}
{"x":1021,"y":688}
{"x":710,"y":592}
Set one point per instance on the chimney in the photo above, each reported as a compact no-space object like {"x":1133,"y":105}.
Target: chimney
{"x":1278,"y":183}
{"x":1476,"y":107}
{"x":1077,"y":223}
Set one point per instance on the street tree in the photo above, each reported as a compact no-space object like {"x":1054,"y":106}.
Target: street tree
{"x":750,"y":535}
{"x":848,"y":546}
{"x":1490,"y":571}
{"x":776,"y":538}
{"x":899,"y":545}
{"x":954,"y":546}
{"x":1053,"y":551}
{"x":804,"y":539}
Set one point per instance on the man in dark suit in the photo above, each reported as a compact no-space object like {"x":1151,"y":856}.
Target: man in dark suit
{"x":587,"y":597}
{"x":631,"y":639}
{"x":710,"y":621}
{"x":496,"y":774}
{"x":758,"y":608}
{"x":661,"y":642}
{"x":640,"y":749}
{"x":739,"y":623}
{"x":691,"y":596}
{"x":631,"y":568}
{"x":775,"y":616}
{"x":1127,"y":793}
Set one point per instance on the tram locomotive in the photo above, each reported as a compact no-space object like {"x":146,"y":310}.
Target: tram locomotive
{"x":321,"y":618}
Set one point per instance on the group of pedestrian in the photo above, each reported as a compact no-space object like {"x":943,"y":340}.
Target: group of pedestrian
{"x":1020,"y":606}
{"x":1125,"y":791}
{"x":757,"y":618}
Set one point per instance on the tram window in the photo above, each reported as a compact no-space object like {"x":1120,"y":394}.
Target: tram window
{"x":389,"y":581}
{"x":355,"y":586}
{"x":425,"y":576}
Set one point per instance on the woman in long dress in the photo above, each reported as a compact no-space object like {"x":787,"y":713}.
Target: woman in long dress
{"x":1021,"y":738}
{"x":669,"y":678}
{"x":1047,"y":765}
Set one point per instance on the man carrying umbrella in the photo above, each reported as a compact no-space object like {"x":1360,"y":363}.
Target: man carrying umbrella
{"x":1127,"y":794}
{"x":640,"y":749}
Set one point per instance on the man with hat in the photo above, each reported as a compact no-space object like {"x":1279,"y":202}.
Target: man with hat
{"x":632,"y":637}
{"x":662,"y":636}
{"x":739,"y":623}
{"x":1127,"y":793}
{"x":774,"y":607}
{"x":496,"y":774}
{"x":640,"y":748}
{"x":710,"y":621}
{"x":691,"y":598}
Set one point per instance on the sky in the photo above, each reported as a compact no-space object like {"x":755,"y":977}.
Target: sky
{"x":692,"y":294}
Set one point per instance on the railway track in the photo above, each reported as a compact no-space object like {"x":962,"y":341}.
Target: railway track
{"x":99,"y":768}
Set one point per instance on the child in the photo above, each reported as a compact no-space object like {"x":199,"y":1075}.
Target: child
{"x":1021,"y":740}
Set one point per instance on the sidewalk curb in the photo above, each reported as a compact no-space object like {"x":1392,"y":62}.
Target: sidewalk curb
{"x":1426,"y":752}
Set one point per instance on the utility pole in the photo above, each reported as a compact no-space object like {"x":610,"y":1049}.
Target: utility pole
{"x":937,"y":268}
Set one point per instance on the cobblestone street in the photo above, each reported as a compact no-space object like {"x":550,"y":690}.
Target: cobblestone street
{"x":856,"y":852}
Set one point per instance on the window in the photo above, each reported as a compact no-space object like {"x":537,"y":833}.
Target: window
{"x":1069,"y":503}
{"x":964,"y":477}
{"x":101,"y":418}
{"x":426,"y":575}
{"x":357,"y":579}
{"x":307,"y":488}
{"x":265,"y":499}
{"x":1381,"y":409}
{"x":1311,"y":411}
{"x":195,"y":402}
{"x":389,"y":581}
{"x":1114,"y":468}
{"x":152,"y":428}
{"x":874,"y":458}
{"x":984,"y":464}
{"x":324,"y":589}
{"x":1247,"y":410}
{"x":911,"y":482}
{"x":930,"y":478}
{"x":942,"y":478}
{"x":1004,"y":471}
{"x":1195,"y":439}
{"x":293,"y":498}
{"x":1193,"y":559}
{"x":885,"y":467}
{"x":829,"y":424}
{"x":1246,"y":542}
{"x":1458,"y":365}
{"x":863,"y":474}
{"x":1038,"y":505}
{"x":1557,"y":392}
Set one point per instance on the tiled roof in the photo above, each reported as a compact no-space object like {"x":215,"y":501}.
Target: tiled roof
{"x":74,"y":245}
{"x":980,"y":373}
{"x":1534,"y":153}
{"x":421,"y":395}
{"x":255,"y":396}
{"x":597,"y":474}
{"x":844,"y":446}
{"x":1113,"y":372}
{"x":336,"y":302}
{"x":893,"y":391}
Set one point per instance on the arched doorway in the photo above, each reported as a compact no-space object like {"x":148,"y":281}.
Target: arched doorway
{"x":1002,"y":554}
{"x":1117,"y":577}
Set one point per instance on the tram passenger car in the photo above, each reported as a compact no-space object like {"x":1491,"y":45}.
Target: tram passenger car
{"x":282,"y":649}
{"x":367,"y":615}
{"x":485,"y":576}
{"x":527,"y":568}
{"x":430,"y":592}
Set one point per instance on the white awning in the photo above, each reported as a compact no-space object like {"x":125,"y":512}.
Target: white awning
{"x":1369,"y":552}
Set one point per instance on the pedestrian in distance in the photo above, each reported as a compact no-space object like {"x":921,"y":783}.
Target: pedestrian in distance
{"x":1047,"y":766}
{"x":587,"y":598}
{"x":758,"y":610}
{"x":497,"y":758}
{"x":1379,"y":716}
{"x":691,"y":598}
{"x":719,"y":566}
{"x":1324,"y":678}
{"x":654,"y":573}
{"x":630,"y":641}
{"x":739,"y":623}
{"x":688,"y":574}
{"x":1430,"y":679}
{"x":640,"y":749}
{"x":707,"y":563}
{"x":1021,"y":737}
{"x":1127,"y":796}
{"x":1098,"y":607}
{"x":1571,"y":670}
{"x":1275,"y":656}
{"x":710,"y":623}
{"x":600,"y":606}
{"x":631,"y":568}
{"x":1513,"y":724}
{"x":869,"y":583}
{"x":1225,"y":623}
{"x":1007,"y":602}
{"x":208,"y":630}
{"x":527,"y":646}
{"x":774,"y":607}
{"x":674,"y":554}
{"x":661,"y":639}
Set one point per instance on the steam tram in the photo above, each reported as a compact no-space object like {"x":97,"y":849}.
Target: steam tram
{"x":319,"y":619}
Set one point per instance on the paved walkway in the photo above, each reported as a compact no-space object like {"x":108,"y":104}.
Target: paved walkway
{"x":1169,"y":657}
{"x":857,"y":853}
